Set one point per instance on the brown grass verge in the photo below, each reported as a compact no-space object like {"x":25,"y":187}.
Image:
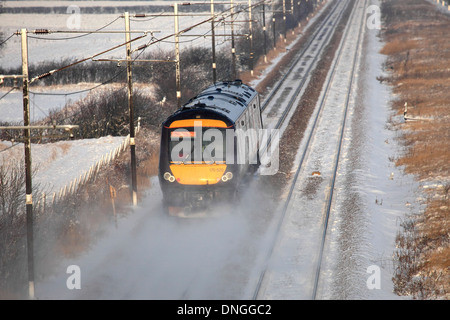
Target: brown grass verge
{"x":418,"y":56}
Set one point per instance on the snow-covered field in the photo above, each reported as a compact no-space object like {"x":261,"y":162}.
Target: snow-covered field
{"x":79,"y":46}
{"x":42,"y":101}
{"x":57,"y":164}
{"x":83,"y":45}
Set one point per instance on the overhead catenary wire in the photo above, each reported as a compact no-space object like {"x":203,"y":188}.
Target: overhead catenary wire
{"x":141,"y":48}
{"x":46,"y":31}
{"x":78,"y":91}
{"x":151,"y":42}
{"x":79,"y":36}
{"x":11,"y":90}
{"x":163,"y":40}
{"x":51,"y":72}
{"x":198,"y":24}
{"x":116,"y":75}
{"x":12,"y":146}
{"x":4,"y":41}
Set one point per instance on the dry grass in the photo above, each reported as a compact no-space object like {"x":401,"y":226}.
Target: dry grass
{"x":398,"y":46}
{"x":418,"y":55}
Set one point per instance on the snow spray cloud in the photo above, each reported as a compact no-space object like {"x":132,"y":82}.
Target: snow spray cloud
{"x":215,"y":145}
{"x":74,"y":21}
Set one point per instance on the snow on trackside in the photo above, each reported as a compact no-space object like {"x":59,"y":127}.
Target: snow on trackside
{"x":373,"y":196}
{"x":59,"y":163}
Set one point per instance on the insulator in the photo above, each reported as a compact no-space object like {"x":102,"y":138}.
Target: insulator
{"x":141,"y":47}
{"x":43,"y":75}
{"x":41,"y":31}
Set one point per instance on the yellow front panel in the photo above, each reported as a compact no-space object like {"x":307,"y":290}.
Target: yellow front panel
{"x":198,"y":174}
{"x":186,"y":123}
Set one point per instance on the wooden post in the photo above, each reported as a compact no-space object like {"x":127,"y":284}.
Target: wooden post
{"x":177,"y":56}
{"x":284,"y":20}
{"x":250,"y":24}
{"x":233,"y":49}
{"x":131,"y":111}
{"x":113,"y":194}
{"x":264,"y":30}
{"x":213,"y":44}
{"x":28,"y":182}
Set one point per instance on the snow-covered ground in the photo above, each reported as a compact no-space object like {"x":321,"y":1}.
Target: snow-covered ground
{"x":151,"y":256}
{"x":57,"y":164}
{"x":293,"y":265}
{"x":373,"y":196}
{"x":42,"y":102}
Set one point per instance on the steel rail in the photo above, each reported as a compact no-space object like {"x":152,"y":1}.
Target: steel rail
{"x":285,"y":206}
{"x":305,"y":152}
{"x":301,"y":84}
{"x":338,"y":152}
{"x":299,"y":57}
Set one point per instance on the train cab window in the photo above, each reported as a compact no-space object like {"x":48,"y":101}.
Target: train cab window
{"x":188,"y":146}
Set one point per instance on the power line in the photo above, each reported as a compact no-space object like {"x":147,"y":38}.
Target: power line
{"x":4,"y":41}
{"x":154,"y":40}
{"x":12,"y":146}
{"x":79,"y":91}
{"x":49,"y":73}
{"x":151,"y":42}
{"x":13,"y":88}
{"x":80,"y":36}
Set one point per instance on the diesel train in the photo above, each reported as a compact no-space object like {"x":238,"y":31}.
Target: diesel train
{"x":208,"y":147}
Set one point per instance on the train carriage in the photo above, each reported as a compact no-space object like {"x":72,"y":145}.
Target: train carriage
{"x":208,"y":147}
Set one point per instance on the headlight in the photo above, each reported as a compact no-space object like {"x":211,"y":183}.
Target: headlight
{"x":169,"y":177}
{"x":227,"y":176}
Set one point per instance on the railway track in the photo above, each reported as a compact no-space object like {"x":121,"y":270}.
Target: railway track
{"x":278,"y":108}
{"x":281,"y":102}
{"x":295,"y":79}
{"x":293,"y":263}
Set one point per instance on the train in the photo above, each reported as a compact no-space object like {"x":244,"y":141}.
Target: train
{"x":208,"y":149}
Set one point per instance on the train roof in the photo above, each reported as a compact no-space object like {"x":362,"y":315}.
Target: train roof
{"x":229,"y":98}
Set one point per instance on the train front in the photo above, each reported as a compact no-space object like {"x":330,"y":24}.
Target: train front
{"x":196,"y":169}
